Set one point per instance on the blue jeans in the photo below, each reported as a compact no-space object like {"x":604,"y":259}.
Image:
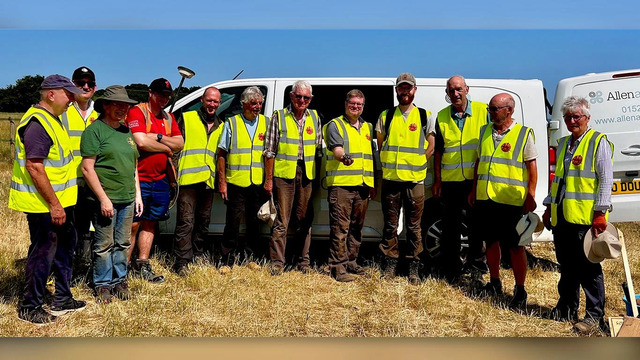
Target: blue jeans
{"x":111,"y":244}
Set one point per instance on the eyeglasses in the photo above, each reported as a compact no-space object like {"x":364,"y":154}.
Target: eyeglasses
{"x":495,"y":108}
{"x":453,"y":91}
{"x":355,"y":104}
{"x":572,"y":117}
{"x":298,"y":96}
{"x":82,"y":83}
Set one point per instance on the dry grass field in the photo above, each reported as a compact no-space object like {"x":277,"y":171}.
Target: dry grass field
{"x":251,"y":303}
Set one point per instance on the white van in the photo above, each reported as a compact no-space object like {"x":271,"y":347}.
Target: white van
{"x":328,"y":99}
{"x":615,"y":111}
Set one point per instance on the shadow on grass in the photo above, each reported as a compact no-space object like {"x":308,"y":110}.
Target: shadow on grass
{"x":12,"y":281}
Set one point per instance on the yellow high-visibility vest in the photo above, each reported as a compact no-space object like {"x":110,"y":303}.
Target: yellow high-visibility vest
{"x":244,"y":159}
{"x":502,"y":175}
{"x":197,"y":161}
{"x":461,"y":147}
{"x":358,"y":145}
{"x":75,"y":126}
{"x":58,"y":165}
{"x":581,"y":182}
{"x":286,"y":159}
{"x":403,"y":152}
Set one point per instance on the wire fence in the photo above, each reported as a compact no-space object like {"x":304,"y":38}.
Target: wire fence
{"x":8,"y":124}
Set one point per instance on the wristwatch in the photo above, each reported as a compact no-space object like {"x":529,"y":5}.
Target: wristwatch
{"x":159,"y":137}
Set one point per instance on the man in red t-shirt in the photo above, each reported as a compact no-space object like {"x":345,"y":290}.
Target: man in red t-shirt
{"x":157,"y":135}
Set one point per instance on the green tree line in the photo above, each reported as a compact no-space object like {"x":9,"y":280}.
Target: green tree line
{"x":26,"y":92}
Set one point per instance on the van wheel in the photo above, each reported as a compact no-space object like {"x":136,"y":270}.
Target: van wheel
{"x":432,"y":235}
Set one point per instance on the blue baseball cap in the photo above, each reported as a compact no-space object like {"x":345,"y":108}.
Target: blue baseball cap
{"x":60,"y":82}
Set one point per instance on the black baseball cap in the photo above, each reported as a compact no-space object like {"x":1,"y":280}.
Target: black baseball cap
{"x":83,"y":72}
{"x":160,"y":85}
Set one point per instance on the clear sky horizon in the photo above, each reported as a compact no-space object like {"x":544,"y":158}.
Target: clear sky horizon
{"x":545,"y":40}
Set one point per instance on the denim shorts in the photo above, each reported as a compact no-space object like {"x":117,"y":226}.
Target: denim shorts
{"x":155,"y":197}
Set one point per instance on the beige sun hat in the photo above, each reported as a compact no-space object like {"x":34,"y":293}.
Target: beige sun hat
{"x":605,"y":246}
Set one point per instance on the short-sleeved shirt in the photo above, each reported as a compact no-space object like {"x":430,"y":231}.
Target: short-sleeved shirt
{"x":35,"y":138}
{"x":116,"y":154}
{"x":152,"y":166}
{"x":530,"y":152}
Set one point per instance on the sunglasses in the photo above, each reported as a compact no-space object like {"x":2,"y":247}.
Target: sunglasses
{"x":496,"y":108}
{"x":82,"y":83}
{"x":306,"y":98}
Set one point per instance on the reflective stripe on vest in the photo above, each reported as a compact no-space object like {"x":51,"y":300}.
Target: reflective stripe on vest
{"x":198,"y":155}
{"x":502,"y":176}
{"x":358,"y":145}
{"x":287,"y":156}
{"x":403,"y":151}
{"x":75,"y":125}
{"x":244,"y":160}
{"x":580,"y":181}
{"x":58,"y":165}
{"x":461,"y":147}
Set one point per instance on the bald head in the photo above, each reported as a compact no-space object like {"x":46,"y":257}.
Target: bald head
{"x":501,"y":108}
{"x":457,"y":91}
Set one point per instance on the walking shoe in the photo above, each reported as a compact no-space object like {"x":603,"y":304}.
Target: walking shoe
{"x":121,"y":291}
{"x":389,"y":268}
{"x":146,"y":272}
{"x":344,"y":277}
{"x":519,"y":299}
{"x":70,"y":305}
{"x":305,"y":269}
{"x":588,"y":326}
{"x":358,"y":270}
{"x":37,"y":316}
{"x":492,"y":288}
{"x":103,"y":295}
{"x":276,"y":270}
{"x":414,"y":273}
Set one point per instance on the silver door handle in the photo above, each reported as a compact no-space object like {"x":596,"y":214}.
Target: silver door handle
{"x":633,"y":150}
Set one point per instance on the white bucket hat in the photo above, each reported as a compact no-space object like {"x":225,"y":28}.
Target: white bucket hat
{"x":605,"y":246}
{"x":529,"y":227}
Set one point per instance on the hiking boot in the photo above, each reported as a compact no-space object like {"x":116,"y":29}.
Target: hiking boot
{"x":146,"y":272}
{"x":414,"y":273}
{"x":389,"y":268}
{"x":344,"y":277}
{"x":305,"y":269}
{"x":276,"y":270}
{"x":181,"y":270}
{"x":519,"y":299}
{"x":121,"y":291}
{"x":70,"y":305}
{"x":357,"y":270}
{"x":491,"y":289}
{"x":37,"y":316}
{"x":103,"y":295}
{"x":588,"y":326}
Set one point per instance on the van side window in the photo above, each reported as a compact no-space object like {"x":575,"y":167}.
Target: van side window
{"x":328,"y":100}
{"x":229,"y":103}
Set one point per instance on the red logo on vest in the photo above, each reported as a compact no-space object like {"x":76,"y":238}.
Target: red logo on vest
{"x":506,"y":147}
{"x":309,"y":130}
{"x":577,"y":160}
{"x":261,"y":136}
{"x":413,"y":127}
{"x":368,"y":137}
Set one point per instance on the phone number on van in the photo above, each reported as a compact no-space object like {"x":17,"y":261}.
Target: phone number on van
{"x":631,"y":108}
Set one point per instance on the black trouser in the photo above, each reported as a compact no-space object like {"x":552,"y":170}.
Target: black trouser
{"x":244,"y":202}
{"x":454,"y":199}
{"x":51,"y":250}
{"x":192,"y":223}
{"x":576,"y":270}
{"x":82,"y":214}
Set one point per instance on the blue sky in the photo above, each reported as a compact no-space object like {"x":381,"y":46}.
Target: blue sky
{"x":134,"y":42}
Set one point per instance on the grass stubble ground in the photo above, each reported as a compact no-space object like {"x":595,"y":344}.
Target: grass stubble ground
{"x":252,"y":303}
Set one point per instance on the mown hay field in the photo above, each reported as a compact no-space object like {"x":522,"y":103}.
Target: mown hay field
{"x":247,"y":302}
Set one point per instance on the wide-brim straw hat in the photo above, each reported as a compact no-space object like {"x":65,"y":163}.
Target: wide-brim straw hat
{"x":606,"y":246}
{"x":113,"y":93}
